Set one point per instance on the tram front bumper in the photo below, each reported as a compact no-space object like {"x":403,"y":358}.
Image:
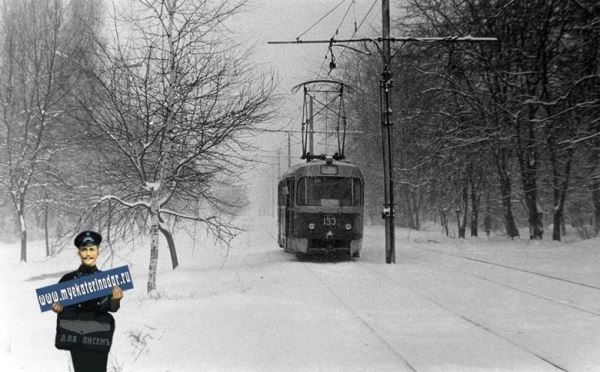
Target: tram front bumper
{"x":299,"y":245}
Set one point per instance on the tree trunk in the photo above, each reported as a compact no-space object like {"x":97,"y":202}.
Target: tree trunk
{"x":155,"y":194}
{"x":416,"y":210}
{"x":596,"y":202}
{"x":475,"y":199}
{"x":506,"y":193}
{"x":487,"y":220}
{"x":154,"y":228}
{"x":560,"y":198}
{"x":407,"y":209}
{"x":444,"y":220}
{"x":171,"y":243}
{"x":595,"y":185}
{"x":46,"y":238}
{"x":528,"y":162}
{"x":20,"y":206}
{"x":535,"y":217}
{"x":413,"y":206}
{"x":556,"y":220}
{"x":23,"y":237}
{"x":462,"y":226}
{"x":474,"y":214}
{"x":509,"y":220}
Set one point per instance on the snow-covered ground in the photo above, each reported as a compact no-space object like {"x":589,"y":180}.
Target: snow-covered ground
{"x":446,"y":305}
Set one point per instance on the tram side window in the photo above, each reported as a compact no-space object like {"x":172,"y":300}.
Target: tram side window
{"x":357,"y":191}
{"x":289,"y":192}
{"x":280,"y":196}
{"x":301,"y":192}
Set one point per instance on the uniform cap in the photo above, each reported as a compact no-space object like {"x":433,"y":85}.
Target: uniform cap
{"x":87,"y":238}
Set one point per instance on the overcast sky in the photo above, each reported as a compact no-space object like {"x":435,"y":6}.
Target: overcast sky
{"x":270,"y":20}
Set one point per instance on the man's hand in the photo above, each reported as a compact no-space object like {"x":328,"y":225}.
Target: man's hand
{"x":57,"y":308}
{"x":117,"y":293}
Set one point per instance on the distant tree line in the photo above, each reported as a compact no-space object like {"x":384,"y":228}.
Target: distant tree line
{"x":504,"y":133}
{"x":127,"y":120}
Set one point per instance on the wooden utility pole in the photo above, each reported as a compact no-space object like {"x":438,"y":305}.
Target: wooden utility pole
{"x":278,"y":162}
{"x":289,"y":162}
{"x":385,"y":85}
{"x":311,"y":128}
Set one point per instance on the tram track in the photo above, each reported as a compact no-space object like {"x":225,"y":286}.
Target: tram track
{"x":555,"y":301}
{"x":477,"y":324}
{"x":373,"y":329}
{"x":521,"y":290}
{"x":506,"y":267}
{"x":327,"y":278}
{"x":361,"y":319}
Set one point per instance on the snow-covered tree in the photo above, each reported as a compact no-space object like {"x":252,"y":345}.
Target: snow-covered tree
{"x":517,"y":111}
{"x":34,"y":84}
{"x":165,"y":116}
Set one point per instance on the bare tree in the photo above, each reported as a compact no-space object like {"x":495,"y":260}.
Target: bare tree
{"x":520,"y":111}
{"x":168,"y":107}
{"x":34,"y":82}
{"x":524,"y":90}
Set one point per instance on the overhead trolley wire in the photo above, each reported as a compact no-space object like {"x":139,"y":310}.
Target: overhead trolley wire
{"x":354,"y":13}
{"x":356,"y":28}
{"x":361,"y":23}
{"x":344,"y":17}
{"x":320,"y":19}
{"x":365,"y":17}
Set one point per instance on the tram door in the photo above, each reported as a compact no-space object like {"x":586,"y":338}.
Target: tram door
{"x":281,"y":214}
{"x":289,"y":207}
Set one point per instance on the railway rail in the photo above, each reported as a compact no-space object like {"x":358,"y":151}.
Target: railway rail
{"x":382,"y":284}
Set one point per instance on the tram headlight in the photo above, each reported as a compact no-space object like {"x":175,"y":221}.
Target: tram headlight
{"x":311,"y":226}
{"x":348,"y":226}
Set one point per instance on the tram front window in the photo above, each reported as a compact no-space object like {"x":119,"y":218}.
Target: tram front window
{"x":327,"y":191}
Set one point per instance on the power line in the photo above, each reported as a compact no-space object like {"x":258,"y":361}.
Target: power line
{"x":343,"y":18}
{"x":389,"y":39}
{"x":353,"y":34}
{"x":320,"y":19}
{"x":361,"y":23}
{"x":299,"y":131}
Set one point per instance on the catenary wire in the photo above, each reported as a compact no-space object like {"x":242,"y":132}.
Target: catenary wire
{"x":320,"y":19}
{"x":356,"y":28}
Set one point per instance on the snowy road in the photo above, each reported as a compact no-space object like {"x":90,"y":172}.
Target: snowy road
{"x":443,"y":319}
{"x":532,"y":321}
{"x":473,"y":305}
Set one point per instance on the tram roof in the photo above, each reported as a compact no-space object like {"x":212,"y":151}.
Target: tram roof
{"x":313,"y":167}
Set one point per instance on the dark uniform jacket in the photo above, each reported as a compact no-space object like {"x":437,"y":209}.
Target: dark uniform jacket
{"x":95,"y":310}
{"x":87,"y":325}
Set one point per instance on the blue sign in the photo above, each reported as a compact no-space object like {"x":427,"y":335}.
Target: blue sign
{"x":84,"y":288}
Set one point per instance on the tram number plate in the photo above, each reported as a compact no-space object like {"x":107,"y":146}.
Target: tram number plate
{"x":329,"y":221}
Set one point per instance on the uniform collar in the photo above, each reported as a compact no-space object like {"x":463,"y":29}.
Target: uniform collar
{"x":84,"y":270}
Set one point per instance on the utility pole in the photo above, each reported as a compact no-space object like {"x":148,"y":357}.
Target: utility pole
{"x":278,"y":162}
{"x":385,"y":85}
{"x":289,"y":150}
{"x":311,"y":127}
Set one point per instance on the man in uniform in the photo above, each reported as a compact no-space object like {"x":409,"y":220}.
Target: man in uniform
{"x":88,"y":245}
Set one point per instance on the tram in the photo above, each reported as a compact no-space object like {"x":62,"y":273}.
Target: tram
{"x":320,"y":208}
{"x":320,"y":202}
